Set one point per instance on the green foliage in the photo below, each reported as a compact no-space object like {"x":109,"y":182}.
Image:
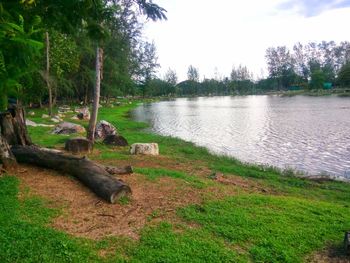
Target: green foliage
{"x":344,"y":76}
{"x":317,"y":79}
{"x":18,"y":51}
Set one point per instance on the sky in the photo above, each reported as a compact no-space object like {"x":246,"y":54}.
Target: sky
{"x":216,"y":35}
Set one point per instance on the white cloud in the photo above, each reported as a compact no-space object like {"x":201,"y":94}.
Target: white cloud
{"x":222,"y":33}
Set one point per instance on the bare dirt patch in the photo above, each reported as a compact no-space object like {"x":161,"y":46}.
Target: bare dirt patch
{"x":330,"y":255}
{"x":86,"y":215}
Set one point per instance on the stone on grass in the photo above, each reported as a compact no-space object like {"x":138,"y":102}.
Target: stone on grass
{"x":68,"y":128}
{"x":115,"y":140}
{"x":74,"y":118}
{"x":44,"y":116}
{"x":63,"y":109}
{"x":83,"y":113}
{"x":33,"y":124}
{"x":145,"y":148}
{"x":78,"y":145}
{"x":104,"y":128}
{"x":31,"y":113}
{"x":56,"y":120}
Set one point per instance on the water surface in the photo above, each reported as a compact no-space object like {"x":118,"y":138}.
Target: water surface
{"x":310,"y":134}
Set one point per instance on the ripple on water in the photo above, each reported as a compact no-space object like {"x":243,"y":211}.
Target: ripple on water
{"x":306,"y":133}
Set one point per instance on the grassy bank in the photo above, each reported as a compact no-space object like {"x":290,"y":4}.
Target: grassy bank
{"x":221,"y":209}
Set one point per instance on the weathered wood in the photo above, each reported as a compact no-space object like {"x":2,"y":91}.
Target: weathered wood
{"x":78,"y":145}
{"x":6,"y":156}
{"x":94,"y":176}
{"x":13,"y":126}
{"x":119,"y":170}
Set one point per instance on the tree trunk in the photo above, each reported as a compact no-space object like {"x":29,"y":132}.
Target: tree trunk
{"x":47,"y":75}
{"x":6,"y":156}
{"x":92,"y":175}
{"x":13,"y":127}
{"x":96,"y":102}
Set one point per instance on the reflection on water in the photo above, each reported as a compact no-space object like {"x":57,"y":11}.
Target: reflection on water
{"x":311,"y":134}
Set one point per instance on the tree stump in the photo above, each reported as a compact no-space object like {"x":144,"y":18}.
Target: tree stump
{"x":78,"y":145}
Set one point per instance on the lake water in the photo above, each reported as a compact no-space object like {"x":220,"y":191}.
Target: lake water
{"x":310,"y":134}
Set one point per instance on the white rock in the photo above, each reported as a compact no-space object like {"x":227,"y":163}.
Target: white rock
{"x":74,"y":118}
{"x":55,"y":120}
{"x":63,"y":109}
{"x":145,"y":148}
{"x":45,"y":116}
{"x":31,"y":123}
{"x":68,"y":128}
{"x":31,"y":113}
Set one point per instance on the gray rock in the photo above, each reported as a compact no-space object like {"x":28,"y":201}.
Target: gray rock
{"x":68,"y":128}
{"x":145,"y":148}
{"x":103,"y":129}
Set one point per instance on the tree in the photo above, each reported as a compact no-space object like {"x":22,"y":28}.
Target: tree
{"x":19,"y":49}
{"x":344,"y":75}
{"x":317,"y":79}
{"x":104,"y":12}
{"x":171,"y":77}
{"x":192,"y":74}
{"x":147,"y":65}
{"x":280,"y":65}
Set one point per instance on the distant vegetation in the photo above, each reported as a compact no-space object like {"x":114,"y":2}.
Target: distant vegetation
{"x":308,"y":67}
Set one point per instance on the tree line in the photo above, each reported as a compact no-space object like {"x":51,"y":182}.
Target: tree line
{"x":308,"y":66}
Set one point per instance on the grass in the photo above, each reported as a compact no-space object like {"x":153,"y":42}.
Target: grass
{"x":154,"y":174}
{"x":293,"y":219}
{"x":25,"y":236}
{"x":272,"y":228}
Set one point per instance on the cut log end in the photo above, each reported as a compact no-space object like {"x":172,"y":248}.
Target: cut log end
{"x":124,"y":191}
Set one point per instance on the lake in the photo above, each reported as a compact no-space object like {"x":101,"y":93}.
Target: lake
{"x":309,"y":134}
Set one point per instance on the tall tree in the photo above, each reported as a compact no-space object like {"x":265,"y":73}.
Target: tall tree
{"x":171,"y":77}
{"x":192,"y":73}
{"x":104,"y":11}
{"x":19,"y":48}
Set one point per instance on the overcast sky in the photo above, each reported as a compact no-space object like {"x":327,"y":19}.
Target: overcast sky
{"x":215,"y":35}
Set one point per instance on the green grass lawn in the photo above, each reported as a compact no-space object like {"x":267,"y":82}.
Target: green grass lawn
{"x":291,"y":220}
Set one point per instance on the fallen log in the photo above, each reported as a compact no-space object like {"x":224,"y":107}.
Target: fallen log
{"x":89,"y":173}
